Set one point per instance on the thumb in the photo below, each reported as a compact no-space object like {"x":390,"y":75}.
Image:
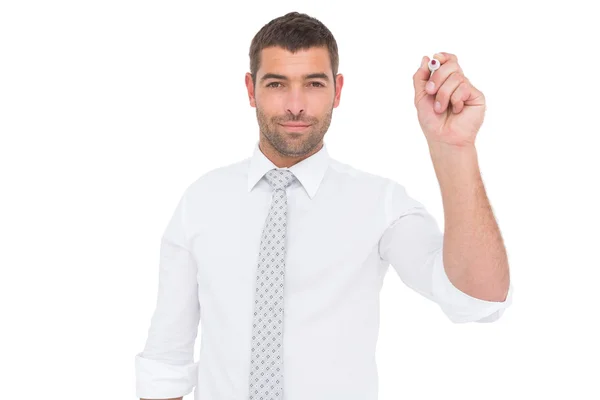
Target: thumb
{"x":421,"y":77}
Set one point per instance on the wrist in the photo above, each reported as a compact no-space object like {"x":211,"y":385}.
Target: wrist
{"x":451,"y":150}
{"x":454,"y":165}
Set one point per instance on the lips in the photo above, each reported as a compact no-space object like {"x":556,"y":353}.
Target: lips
{"x":295,"y":125}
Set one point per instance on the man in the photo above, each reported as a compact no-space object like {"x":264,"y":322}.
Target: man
{"x":284,"y":253}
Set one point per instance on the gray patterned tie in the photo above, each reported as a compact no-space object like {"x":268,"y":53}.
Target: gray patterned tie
{"x":266,"y":367}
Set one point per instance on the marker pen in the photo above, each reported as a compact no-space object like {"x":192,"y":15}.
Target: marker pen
{"x":433,"y":65}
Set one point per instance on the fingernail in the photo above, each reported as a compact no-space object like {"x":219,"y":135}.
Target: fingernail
{"x":430,"y":86}
{"x":438,"y":106}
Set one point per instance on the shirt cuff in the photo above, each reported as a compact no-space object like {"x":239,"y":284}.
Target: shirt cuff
{"x":159,"y":380}
{"x":460,"y":307}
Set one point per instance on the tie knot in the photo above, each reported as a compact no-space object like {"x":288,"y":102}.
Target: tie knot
{"x":279,"y":178}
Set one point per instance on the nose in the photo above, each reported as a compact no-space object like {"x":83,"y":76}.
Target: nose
{"x":295,"y":102}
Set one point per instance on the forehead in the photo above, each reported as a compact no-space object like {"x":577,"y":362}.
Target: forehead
{"x":277,"y":59}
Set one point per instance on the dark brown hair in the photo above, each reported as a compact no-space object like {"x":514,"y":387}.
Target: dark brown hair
{"x":293,"y":31}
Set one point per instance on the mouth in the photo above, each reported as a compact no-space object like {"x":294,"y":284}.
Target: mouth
{"x":295,"y":127}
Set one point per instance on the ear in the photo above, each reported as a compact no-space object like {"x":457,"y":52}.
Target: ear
{"x":250,"y":88}
{"x":339,"y":82}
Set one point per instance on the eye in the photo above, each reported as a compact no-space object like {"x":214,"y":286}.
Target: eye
{"x":319,"y":84}
{"x":273,"y":83}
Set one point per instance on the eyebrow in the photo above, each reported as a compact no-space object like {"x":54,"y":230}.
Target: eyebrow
{"x":319,"y":75}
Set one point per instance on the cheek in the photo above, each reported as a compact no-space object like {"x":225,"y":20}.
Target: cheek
{"x":269,"y":105}
{"x":322,"y":102}
{"x":267,"y":115}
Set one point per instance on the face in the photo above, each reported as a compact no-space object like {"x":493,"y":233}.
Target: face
{"x":294,"y":99}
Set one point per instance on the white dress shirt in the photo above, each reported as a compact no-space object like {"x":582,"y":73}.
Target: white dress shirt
{"x":345,"y":227}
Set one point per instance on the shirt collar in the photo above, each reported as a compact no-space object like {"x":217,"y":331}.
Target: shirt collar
{"x":309,"y":171}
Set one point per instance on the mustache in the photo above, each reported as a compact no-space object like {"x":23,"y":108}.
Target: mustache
{"x":283,"y":120}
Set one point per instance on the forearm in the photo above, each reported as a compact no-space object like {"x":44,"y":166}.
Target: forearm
{"x":474,"y":256}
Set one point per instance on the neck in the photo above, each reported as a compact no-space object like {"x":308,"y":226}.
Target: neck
{"x":281,"y":160}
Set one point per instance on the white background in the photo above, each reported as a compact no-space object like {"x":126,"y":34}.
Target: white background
{"x":109,"y":109}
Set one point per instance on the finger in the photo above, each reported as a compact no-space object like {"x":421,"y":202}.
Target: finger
{"x":439,"y":77}
{"x":475,"y":97}
{"x":421,"y":77}
{"x":444,"y":57}
{"x":445,"y":92}
{"x":460,"y":95}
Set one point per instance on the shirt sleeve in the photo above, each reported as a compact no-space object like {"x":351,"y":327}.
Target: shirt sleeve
{"x":166,"y":367}
{"x":413,"y":244}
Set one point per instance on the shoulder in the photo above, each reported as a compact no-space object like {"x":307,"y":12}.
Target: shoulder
{"x":218,"y":178}
{"x":364,"y":179}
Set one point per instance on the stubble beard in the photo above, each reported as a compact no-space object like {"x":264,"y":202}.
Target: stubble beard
{"x":292,"y":144}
